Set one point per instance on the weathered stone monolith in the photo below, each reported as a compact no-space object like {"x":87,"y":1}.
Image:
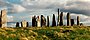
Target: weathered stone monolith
{"x":53,"y":21}
{"x":78,"y":20}
{"x":0,"y":22}
{"x":68,"y":19}
{"x":61,"y":19}
{"x":34,"y":22}
{"x":72,"y":22}
{"x":81,"y":24}
{"x":43,"y":21}
{"x":27,"y":24}
{"x":58,"y":22}
{"x":17,"y":24}
{"x":24,"y":24}
{"x":38,"y":21}
{"x":3,"y":18}
{"x":21,"y":24}
{"x":47,"y":21}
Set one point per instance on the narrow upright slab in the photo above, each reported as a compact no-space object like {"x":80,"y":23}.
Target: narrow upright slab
{"x":24,"y":24}
{"x":58,"y":22}
{"x":17,"y":24}
{"x":47,"y":21}
{"x":34,"y":22}
{"x":43,"y":21}
{"x":61,"y":19}
{"x":27,"y":24}
{"x":72,"y":22}
{"x":38,"y":21}
{"x":68,"y":19}
{"x":53,"y":21}
{"x":78,"y":20}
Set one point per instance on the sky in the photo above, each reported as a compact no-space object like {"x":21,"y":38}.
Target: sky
{"x":18,"y":10}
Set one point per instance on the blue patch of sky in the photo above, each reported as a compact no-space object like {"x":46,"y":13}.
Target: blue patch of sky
{"x":14,"y":1}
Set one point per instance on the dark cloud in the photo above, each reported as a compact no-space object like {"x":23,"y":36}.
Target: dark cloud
{"x":79,"y":7}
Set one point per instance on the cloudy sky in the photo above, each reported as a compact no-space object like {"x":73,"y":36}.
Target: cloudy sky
{"x":18,"y":10}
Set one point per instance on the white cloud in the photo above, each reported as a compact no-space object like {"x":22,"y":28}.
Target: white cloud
{"x":74,"y":6}
{"x":10,"y":18}
{"x":78,"y":4}
{"x":17,"y":8}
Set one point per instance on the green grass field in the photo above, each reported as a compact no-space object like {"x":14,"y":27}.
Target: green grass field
{"x":46,"y":33}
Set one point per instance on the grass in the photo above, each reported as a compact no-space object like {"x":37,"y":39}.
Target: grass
{"x":46,"y":33}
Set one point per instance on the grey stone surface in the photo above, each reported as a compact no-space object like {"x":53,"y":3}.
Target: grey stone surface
{"x":53,"y":21}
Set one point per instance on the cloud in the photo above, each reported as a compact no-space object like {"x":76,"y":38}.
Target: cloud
{"x":77,"y":6}
{"x":17,"y":8}
{"x":10,"y":18}
{"x":11,"y":7}
{"x":41,"y":4}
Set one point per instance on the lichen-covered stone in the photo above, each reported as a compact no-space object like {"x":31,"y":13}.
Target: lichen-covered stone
{"x":38,"y":22}
{"x":53,"y":21}
{"x":61,"y":19}
{"x":43,"y":21}
{"x":68,"y":19}
{"x":48,"y":21}
{"x":34,"y":22}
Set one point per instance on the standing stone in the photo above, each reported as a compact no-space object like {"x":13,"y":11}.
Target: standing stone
{"x":17,"y":24}
{"x":3,"y":18}
{"x":53,"y":21}
{"x":58,"y":22}
{"x":81,"y":24}
{"x":72,"y":22}
{"x":34,"y":22}
{"x":61,"y":19}
{"x":21,"y":24}
{"x":47,"y":21}
{"x":68,"y":19}
{"x":27,"y":24}
{"x":0,"y":22}
{"x":38,"y":21}
{"x":24,"y":24}
{"x":43,"y":21}
{"x":78,"y":20}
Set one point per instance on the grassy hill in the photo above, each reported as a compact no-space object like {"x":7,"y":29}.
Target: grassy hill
{"x":46,"y":33}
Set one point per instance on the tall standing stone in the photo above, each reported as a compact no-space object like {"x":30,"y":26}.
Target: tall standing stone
{"x":0,"y":22}
{"x":72,"y":22}
{"x":38,"y":21}
{"x":3,"y":18}
{"x":43,"y":21}
{"x":58,"y":22}
{"x":27,"y":24}
{"x":47,"y":21}
{"x":34,"y":22}
{"x":21,"y":24}
{"x":24,"y":24}
{"x":68,"y":19}
{"x":61,"y":19}
{"x":53,"y":21}
{"x":78,"y":20}
{"x":17,"y":24}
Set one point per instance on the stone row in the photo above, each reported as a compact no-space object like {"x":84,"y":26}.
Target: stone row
{"x":40,"y":21}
